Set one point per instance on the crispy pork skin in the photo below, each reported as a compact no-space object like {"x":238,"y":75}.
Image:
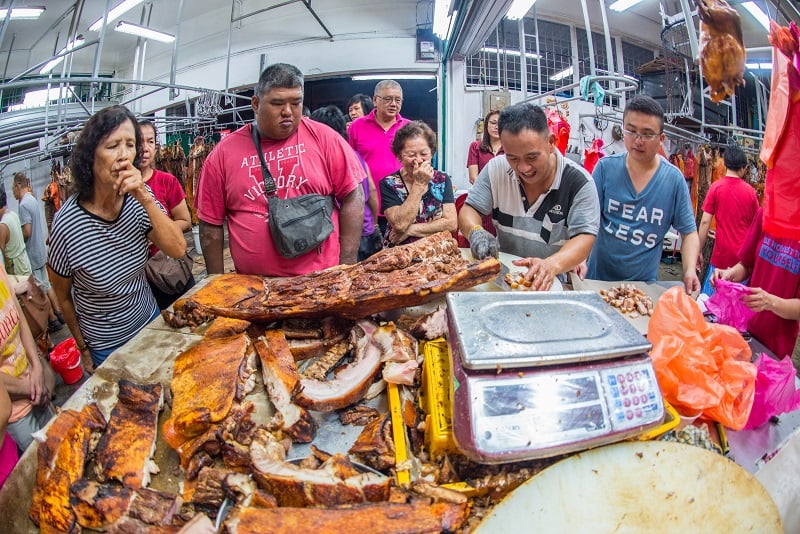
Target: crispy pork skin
{"x":282,"y":381}
{"x":407,"y":275}
{"x":226,"y":327}
{"x":61,"y":461}
{"x":98,"y":505}
{"x":386,"y":518}
{"x":350,"y":383}
{"x":333,"y":483}
{"x":205,"y":381}
{"x":125,"y":451}
{"x":375,"y":445}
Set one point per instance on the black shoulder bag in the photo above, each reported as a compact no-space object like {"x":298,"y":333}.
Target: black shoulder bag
{"x":299,"y":224}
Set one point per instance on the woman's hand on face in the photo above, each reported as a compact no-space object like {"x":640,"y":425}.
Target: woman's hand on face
{"x":423,"y":172}
{"x":129,"y":180}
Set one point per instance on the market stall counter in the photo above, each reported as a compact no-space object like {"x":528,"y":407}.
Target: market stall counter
{"x":149,"y":358}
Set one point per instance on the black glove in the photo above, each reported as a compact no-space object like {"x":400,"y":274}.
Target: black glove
{"x":482,"y":244}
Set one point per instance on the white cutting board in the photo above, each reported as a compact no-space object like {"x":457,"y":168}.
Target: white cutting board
{"x":636,"y":487}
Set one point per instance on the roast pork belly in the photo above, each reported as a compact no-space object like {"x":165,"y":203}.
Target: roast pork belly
{"x":399,"y":351}
{"x":125,"y":451}
{"x":110,"y":506}
{"x":386,"y":518}
{"x":428,"y":326}
{"x":226,"y":327}
{"x":61,"y":461}
{"x":375,"y":445}
{"x":350,"y":382}
{"x":396,"y":277}
{"x":206,"y":379}
{"x":282,"y":381}
{"x":335,"y":482}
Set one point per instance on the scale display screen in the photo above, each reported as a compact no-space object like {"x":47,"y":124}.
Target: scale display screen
{"x":548,"y":411}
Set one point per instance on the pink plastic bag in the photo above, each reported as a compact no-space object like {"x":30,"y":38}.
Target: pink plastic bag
{"x":775,"y":390}
{"x":726,"y":303}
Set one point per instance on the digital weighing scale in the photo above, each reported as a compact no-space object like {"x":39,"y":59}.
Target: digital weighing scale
{"x":542,"y":374}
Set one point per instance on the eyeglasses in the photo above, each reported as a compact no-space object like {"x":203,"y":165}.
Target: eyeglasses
{"x":643,"y":137}
{"x":389,"y":99}
{"x":493,"y":123}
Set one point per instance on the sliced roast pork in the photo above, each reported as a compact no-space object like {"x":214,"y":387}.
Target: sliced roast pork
{"x":329,"y":485}
{"x":351,"y":382}
{"x":282,"y":382}
{"x":62,"y":458}
{"x":384,"y":517}
{"x":125,"y":451}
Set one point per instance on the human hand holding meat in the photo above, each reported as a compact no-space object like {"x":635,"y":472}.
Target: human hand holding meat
{"x":541,"y":272}
{"x":722,"y":53}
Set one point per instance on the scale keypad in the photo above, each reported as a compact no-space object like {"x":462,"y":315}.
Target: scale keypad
{"x":634,"y":398}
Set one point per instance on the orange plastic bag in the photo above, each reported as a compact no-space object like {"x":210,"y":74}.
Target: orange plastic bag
{"x":701,"y":366}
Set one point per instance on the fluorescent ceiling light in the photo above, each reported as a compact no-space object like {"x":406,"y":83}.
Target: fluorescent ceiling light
{"x":23,"y":13}
{"x":115,"y":13}
{"x":365,"y":77}
{"x":441,"y":18}
{"x":758,"y":66}
{"x":622,"y":5}
{"x":141,"y":31}
{"x":38,"y":99}
{"x":493,"y":50}
{"x":56,"y":61}
{"x":757,"y":13}
{"x":519,"y":9}
{"x":561,"y":75}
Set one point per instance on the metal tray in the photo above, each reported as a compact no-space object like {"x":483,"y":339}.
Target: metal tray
{"x":487,"y":330}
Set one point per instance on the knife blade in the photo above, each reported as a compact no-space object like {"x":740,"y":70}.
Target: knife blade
{"x":500,"y":281}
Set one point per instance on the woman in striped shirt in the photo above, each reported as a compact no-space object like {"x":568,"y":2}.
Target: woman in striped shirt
{"x":100,"y":238}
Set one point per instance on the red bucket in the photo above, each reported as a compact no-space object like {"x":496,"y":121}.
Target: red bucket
{"x":66,"y":361}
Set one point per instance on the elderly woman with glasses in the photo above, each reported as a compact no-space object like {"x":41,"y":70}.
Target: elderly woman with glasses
{"x":417,"y":199}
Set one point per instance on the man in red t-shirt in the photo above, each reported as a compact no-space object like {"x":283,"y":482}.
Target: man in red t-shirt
{"x":733,"y":203}
{"x":304,"y":157}
{"x":773,"y":266}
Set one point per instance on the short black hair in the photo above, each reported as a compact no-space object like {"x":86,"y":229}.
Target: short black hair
{"x":280,"y":75}
{"x":365,"y":101}
{"x":735,"y":158}
{"x":3,"y":198}
{"x":333,"y":117}
{"x":94,"y":131}
{"x":411,"y":130}
{"x":647,"y":106}
{"x":523,"y":116}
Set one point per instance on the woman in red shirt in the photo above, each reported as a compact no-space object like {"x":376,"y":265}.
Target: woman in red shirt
{"x":480,"y":152}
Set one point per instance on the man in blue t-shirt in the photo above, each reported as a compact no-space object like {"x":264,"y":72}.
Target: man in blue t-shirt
{"x":641,"y":196}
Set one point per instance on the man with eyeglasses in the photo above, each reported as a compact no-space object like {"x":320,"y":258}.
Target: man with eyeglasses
{"x":641,"y":195}
{"x":372,"y":135}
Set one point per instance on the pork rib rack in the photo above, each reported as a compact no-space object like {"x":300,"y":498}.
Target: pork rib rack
{"x":408,"y":275}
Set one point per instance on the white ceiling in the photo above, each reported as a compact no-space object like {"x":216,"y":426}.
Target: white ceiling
{"x":35,"y":41}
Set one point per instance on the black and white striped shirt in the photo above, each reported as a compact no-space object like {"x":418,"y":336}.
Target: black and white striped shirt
{"x":105,"y":260}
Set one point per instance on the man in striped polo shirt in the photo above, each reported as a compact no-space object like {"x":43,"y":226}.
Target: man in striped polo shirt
{"x":545,"y":207}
